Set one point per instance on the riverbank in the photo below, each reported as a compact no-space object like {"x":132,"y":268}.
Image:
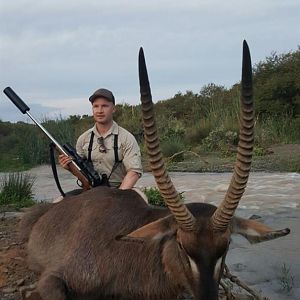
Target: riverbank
{"x":277,"y":158}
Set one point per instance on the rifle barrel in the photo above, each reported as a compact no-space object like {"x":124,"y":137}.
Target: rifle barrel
{"x":55,"y":142}
{"x":22,"y":106}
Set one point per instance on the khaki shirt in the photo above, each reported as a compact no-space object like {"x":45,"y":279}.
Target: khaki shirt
{"x":128,"y":151}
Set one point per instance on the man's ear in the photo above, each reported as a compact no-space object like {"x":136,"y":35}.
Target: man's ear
{"x":152,"y":231}
{"x":254,"y":231}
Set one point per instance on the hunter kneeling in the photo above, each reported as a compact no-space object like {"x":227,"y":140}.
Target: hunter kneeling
{"x":112,"y":150}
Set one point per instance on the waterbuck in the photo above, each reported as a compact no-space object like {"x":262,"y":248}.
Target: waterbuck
{"x":109,"y":244}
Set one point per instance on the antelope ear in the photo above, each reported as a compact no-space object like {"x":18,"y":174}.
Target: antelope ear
{"x":152,"y":231}
{"x":254,"y":231}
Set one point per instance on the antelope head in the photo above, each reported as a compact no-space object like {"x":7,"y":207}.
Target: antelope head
{"x":201,"y":232}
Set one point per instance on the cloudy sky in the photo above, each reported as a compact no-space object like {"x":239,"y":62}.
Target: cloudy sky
{"x":55,"y":53}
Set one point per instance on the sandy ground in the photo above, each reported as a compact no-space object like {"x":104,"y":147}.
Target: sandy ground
{"x":271,"y":267}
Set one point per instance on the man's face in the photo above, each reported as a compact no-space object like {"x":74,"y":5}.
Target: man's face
{"x":103,"y":111}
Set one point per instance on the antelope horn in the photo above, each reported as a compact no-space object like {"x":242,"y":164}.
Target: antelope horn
{"x":183,"y":216}
{"x":226,"y":209}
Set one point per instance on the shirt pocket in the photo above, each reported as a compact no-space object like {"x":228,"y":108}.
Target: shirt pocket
{"x":110,"y":148}
{"x":85,"y":147}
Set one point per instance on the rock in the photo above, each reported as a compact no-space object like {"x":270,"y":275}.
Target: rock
{"x":18,"y":258}
{"x":5,"y":248}
{"x":255,"y":217}
{"x":20,"y":282}
{"x":9,"y":290}
{"x":32,"y":296}
{"x":28,"y":293}
{"x":24,"y":289}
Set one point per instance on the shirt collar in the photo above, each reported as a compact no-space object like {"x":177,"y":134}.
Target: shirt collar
{"x":114,"y":129}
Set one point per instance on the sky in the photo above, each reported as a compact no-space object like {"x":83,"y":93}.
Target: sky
{"x":56,"y":53}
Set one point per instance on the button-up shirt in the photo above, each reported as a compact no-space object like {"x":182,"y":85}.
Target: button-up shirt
{"x":128,"y":151}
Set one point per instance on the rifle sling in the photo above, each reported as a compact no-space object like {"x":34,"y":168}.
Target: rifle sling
{"x":90,"y":147}
{"x":54,"y":169}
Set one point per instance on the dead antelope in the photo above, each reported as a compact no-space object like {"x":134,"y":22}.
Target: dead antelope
{"x":109,"y":244}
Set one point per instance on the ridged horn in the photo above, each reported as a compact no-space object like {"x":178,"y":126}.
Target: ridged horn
{"x":226,"y":209}
{"x":183,"y":216}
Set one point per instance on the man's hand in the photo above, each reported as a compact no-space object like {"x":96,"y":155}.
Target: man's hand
{"x":64,"y":161}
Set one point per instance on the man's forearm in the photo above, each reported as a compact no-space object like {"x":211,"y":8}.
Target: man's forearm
{"x":129,"y":180}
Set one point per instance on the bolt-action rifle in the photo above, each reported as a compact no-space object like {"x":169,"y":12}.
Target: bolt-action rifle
{"x":81,"y":168}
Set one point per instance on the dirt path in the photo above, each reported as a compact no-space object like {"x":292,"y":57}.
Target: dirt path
{"x":14,"y":274}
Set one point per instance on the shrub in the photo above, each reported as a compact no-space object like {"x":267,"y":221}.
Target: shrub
{"x":199,"y":131}
{"x":173,"y":145}
{"x":259,"y":151}
{"x":280,"y":129}
{"x":16,"y":190}
{"x":220,"y":140}
{"x":34,"y":145}
{"x":155,"y":198}
{"x":286,"y":279}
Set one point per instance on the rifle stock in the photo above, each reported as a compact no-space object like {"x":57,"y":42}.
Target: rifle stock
{"x":75,"y":169}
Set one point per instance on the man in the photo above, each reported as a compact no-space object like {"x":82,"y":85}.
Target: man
{"x":113,"y":150}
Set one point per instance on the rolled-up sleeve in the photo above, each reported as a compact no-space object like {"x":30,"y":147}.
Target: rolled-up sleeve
{"x":132,"y":155}
{"x":79,"y":145}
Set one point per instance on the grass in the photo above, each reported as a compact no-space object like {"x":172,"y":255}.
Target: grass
{"x":155,"y":198}
{"x":283,"y":130}
{"x":16,"y":191}
{"x":30,"y":145}
{"x":12,"y":163}
{"x":286,"y":279}
{"x":173,"y":145}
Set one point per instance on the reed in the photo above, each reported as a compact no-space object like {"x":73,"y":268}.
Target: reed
{"x":16,"y":190}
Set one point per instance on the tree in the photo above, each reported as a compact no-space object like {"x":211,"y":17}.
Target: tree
{"x":277,"y":84}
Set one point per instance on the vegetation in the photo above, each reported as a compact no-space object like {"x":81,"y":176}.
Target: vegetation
{"x":155,"y":198}
{"x":16,"y":191}
{"x":286,"y":279}
{"x":202,"y":123}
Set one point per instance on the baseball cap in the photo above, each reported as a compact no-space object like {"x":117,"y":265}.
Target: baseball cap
{"x":103,"y":93}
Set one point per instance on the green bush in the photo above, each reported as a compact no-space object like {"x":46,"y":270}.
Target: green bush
{"x":220,"y":140}
{"x":173,"y":145}
{"x":33,"y":148}
{"x":34,"y":145}
{"x":259,"y":151}
{"x":16,"y":190}
{"x":196,"y":133}
{"x":275,"y":130}
{"x":155,"y":198}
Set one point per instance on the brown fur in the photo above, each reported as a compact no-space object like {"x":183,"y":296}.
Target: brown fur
{"x":109,"y":244}
{"x":30,"y":218}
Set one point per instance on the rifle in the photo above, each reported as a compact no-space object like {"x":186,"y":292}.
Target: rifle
{"x":81,"y":168}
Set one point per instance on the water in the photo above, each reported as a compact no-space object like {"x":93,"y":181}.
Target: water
{"x":264,"y":190}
